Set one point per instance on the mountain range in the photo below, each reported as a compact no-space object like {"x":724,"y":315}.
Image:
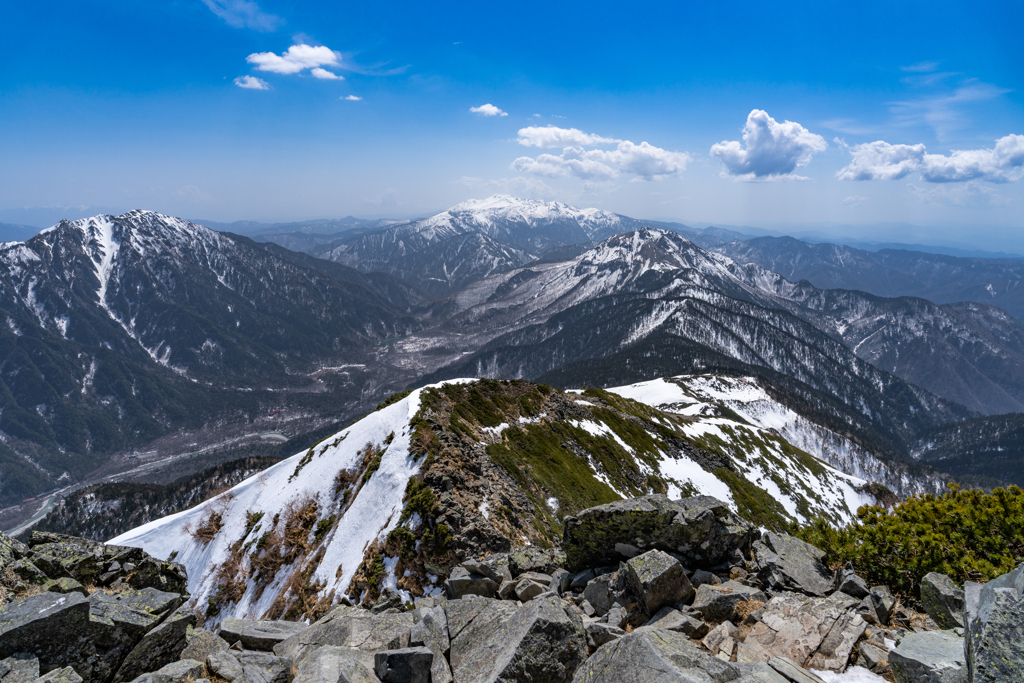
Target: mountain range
{"x":123,"y":329}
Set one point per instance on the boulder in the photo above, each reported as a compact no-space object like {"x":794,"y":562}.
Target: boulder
{"x":459,"y":613}
{"x":851,"y":584}
{"x":702,"y":530}
{"x":200,"y":644}
{"x":182,"y":671}
{"x":19,"y":668}
{"x":994,"y":616}
{"x":877,"y":606}
{"x":66,"y":585}
{"x":388,"y":600}
{"x":700,"y":577}
{"x":718,"y":603}
{"x":942,"y":600}
{"x":605,"y":590}
{"x":431,"y":631}
{"x":758,"y":672}
{"x":533,"y":559}
{"x":463,"y":582}
{"x":494,"y":567}
{"x":648,"y":655}
{"x":259,"y":635}
{"x":527,"y":589}
{"x":616,"y":616}
{"x":718,"y":635}
{"x":264,"y":667}
{"x":224,"y":665}
{"x":158,"y":647}
{"x":11,"y":550}
{"x":65,"y":675}
{"x":786,"y":563}
{"x":791,"y":672}
{"x":818,"y":633}
{"x":408,"y":665}
{"x":542,"y":640}
{"x":332,"y":664}
{"x":872,"y":657}
{"x":929,"y":657}
{"x":351,"y":627}
{"x":658,"y":580}
{"x":674,"y":620}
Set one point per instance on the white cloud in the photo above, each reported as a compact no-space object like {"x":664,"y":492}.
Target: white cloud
{"x":552,"y":136}
{"x":252,"y":83}
{"x":644,"y":161}
{"x":882,"y":161}
{"x":854,"y":200}
{"x":921,"y":67}
{"x":326,"y":75}
{"x":770,"y":150}
{"x":971,"y":193}
{"x":295,"y":59}
{"x":352,"y":98}
{"x":244,"y":14}
{"x":488,"y":110}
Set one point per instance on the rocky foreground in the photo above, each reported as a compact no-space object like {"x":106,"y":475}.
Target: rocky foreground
{"x":642,"y":590}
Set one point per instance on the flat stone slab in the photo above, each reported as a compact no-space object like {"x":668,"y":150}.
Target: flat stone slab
{"x":929,"y":657}
{"x":333,"y":664}
{"x":259,"y":635}
{"x":650,"y":654}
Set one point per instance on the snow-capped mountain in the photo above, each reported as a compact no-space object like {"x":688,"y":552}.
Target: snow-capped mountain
{"x":119,"y":328}
{"x":452,"y":471}
{"x":474,"y":239}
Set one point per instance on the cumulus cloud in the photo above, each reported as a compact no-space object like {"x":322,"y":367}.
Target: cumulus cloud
{"x":252,"y":83}
{"x":353,"y":98}
{"x":326,"y":75}
{"x":882,"y":161}
{"x":488,"y":110}
{"x":645,"y":161}
{"x":770,"y":150}
{"x":551,"y":136}
{"x":244,"y":14}
{"x":295,"y":59}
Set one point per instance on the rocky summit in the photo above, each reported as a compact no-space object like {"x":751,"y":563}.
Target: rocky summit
{"x":642,"y":590}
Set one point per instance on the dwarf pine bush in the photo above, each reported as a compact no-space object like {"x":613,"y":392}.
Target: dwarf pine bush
{"x":965,"y":534}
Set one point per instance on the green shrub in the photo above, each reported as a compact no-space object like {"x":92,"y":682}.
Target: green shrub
{"x":965,"y":534}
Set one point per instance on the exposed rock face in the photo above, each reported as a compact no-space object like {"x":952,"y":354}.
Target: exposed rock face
{"x":350,"y":627}
{"x":929,"y":657}
{"x":787,"y":563}
{"x":994,"y":613}
{"x":658,"y":580}
{"x":877,"y":606}
{"x":408,"y":665}
{"x":702,"y":530}
{"x":943,"y":601}
{"x":162,"y":645}
{"x":259,"y":635}
{"x":540,"y":641}
{"x":653,"y":655}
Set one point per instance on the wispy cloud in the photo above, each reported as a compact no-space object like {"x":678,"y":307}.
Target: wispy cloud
{"x":251,"y":83}
{"x":488,"y":110}
{"x":854,"y":200}
{"x":945,"y":112}
{"x":644,"y":161}
{"x":353,"y":98}
{"x":921,"y":67}
{"x":970,"y":193}
{"x":770,"y":150}
{"x":244,"y":14}
{"x":880,"y":160}
{"x":324,"y":74}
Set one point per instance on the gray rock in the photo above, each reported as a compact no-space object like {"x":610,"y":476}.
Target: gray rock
{"x":586,"y":607}
{"x":598,"y":634}
{"x":674,"y":620}
{"x":408,"y":665}
{"x":526,"y":589}
{"x":200,"y":644}
{"x":351,"y":627}
{"x":758,"y":672}
{"x":818,"y":633}
{"x":654,"y":656}
{"x":942,"y":600}
{"x":259,"y":635}
{"x":658,"y":580}
{"x":21,"y":667}
{"x":158,"y":647}
{"x":494,"y":567}
{"x":533,"y":559}
{"x":461,"y":582}
{"x":604,"y":591}
{"x":264,"y":667}
{"x":851,"y":584}
{"x":431,"y":631}
{"x":224,"y":665}
{"x":788,"y":564}
{"x":719,"y":634}
{"x":332,"y":664}
{"x":616,"y":616}
{"x":108,"y":609}
{"x":872,"y":657}
{"x":28,"y":572}
{"x":581,"y":579}
{"x":65,"y":675}
{"x":700,"y":577}
{"x":430,"y":602}
{"x":994,"y":613}
{"x":929,"y":657}
{"x":66,"y":585}
{"x":792,"y":672}
{"x":560,"y":580}
{"x":542,"y":640}
{"x":718,"y":603}
{"x":459,"y":613}
{"x":877,"y":607}
{"x":176,"y":672}
{"x":702,"y":530}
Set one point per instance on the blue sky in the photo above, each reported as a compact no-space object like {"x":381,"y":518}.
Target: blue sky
{"x":852,"y":111}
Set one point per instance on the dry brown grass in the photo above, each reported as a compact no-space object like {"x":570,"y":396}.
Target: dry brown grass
{"x":208,"y":528}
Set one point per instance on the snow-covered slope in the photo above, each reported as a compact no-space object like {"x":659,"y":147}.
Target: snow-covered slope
{"x":456,"y":470}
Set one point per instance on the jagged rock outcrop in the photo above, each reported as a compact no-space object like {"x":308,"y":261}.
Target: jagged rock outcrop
{"x":943,"y":601}
{"x":994,"y":615}
{"x":787,"y":563}
{"x":929,"y":657}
